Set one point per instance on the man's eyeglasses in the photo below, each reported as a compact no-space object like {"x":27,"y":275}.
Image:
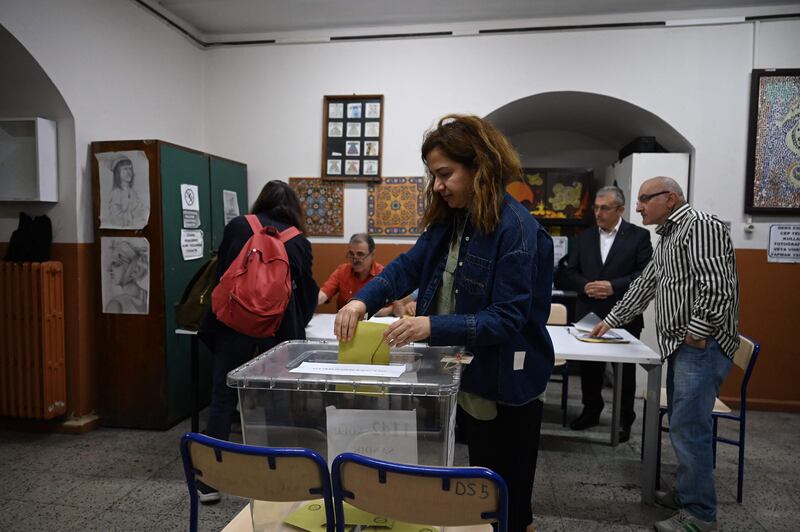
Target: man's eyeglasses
{"x":357,"y":256}
{"x":644,"y":198}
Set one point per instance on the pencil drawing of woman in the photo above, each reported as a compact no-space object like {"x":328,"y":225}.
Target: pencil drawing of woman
{"x":125,"y":209}
{"x":126,"y":270}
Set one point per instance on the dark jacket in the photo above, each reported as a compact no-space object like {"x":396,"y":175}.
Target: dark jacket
{"x":629,"y":254}
{"x":304,"y":289}
{"x":502,"y":300}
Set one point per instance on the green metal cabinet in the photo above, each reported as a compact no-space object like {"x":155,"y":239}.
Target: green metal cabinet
{"x":144,"y":368}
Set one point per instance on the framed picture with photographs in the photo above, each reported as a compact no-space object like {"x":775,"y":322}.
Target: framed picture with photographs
{"x":773,"y":151}
{"x":352,"y":136}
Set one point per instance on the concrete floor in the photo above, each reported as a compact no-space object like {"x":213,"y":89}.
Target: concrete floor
{"x":113,"y":479}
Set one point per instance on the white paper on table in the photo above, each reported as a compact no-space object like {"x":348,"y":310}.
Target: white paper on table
{"x":353,"y":370}
{"x":382,"y":434}
{"x":588,"y":322}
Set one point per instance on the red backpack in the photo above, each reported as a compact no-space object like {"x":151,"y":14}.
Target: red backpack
{"x":253,"y":293}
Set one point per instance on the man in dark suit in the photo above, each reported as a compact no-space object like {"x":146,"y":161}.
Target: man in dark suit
{"x":603,"y":263}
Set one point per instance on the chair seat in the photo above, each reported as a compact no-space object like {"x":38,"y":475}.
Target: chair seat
{"x":720,"y":407}
{"x":559,"y":362}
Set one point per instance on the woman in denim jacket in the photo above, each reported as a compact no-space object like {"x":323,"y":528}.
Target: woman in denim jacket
{"x":484,"y":269}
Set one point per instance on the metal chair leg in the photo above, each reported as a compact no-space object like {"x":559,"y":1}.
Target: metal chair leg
{"x":714,"y":441}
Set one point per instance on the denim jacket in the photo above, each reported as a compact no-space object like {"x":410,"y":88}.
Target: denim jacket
{"x":502,"y":292}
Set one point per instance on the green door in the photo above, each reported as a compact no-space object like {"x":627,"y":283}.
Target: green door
{"x":180,"y":166}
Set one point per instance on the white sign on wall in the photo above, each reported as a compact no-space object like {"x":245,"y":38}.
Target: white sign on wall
{"x":784,"y":243}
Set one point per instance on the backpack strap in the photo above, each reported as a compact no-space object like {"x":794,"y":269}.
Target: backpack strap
{"x":289,"y":233}
{"x":254,"y":222}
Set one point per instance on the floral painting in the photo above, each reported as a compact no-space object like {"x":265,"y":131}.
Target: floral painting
{"x":322,"y":203}
{"x":395,"y":207}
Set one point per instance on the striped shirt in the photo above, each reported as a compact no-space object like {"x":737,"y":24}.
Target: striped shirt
{"x":692,"y":278}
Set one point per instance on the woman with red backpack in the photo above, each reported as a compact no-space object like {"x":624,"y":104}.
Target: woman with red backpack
{"x":276,"y":207}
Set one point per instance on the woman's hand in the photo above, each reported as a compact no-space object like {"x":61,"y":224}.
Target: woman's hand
{"x":407,"y":330}
{"x":344,"y":326}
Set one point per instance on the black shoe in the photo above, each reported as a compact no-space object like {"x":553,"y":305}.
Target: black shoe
{"x":585,"y":420}
{"x":624,"y":434}
{"x":206,"y":494}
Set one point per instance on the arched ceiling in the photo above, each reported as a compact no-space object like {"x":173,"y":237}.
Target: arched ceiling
{"x":610,"y":120}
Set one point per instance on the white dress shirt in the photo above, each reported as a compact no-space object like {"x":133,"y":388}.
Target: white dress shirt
{"x":607,"y":239}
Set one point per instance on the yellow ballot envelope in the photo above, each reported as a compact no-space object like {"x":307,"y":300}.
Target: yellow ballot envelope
{"x":366,"y":346}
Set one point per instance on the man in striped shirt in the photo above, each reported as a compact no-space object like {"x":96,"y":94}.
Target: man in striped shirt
{"x":693,"y":280}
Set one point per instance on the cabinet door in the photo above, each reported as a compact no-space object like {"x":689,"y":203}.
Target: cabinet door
{"x":180,"y":166}
{"x":227,"y":178}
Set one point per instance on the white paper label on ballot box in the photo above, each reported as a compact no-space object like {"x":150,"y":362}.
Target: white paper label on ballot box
{"x":382,"y":434}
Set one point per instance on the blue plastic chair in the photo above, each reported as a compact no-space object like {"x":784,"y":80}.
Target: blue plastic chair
{"x":427,"y":495}
{"x":745,"y":358}
{"x":261,"y":473}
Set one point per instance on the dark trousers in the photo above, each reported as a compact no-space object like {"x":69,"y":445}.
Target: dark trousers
{"x":509,"y":446}
{"x":592,"y":386}
{"x":231,"y":350}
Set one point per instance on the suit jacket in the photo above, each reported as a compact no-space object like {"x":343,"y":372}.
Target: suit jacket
{"x":629,"y":254}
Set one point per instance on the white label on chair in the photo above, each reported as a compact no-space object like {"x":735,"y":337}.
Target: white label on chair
{"x":519,"y":360}
{"x":383,"y":434}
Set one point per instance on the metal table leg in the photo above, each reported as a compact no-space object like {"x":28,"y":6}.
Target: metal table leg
{"x":616,"y":406}
{"x":650,"y":432}
{"x":194,"y":399}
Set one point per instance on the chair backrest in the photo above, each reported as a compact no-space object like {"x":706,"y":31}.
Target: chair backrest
{"x":261,"y":473}
{"x":558,"y":314}
{"x":428,"y":495}
{"x":745,"y":357}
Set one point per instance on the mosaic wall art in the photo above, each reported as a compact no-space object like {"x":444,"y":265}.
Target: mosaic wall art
{"x":395,"y":207}
{"x":773,"y":172}
{"x":554,"y":193}
{"x":322,"y":203}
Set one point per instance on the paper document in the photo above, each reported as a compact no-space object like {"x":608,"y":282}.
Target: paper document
{"x":367,"y":345}
{"x":353,"y":370}
{"x":610,"y":337}
{"x":588,"y":322}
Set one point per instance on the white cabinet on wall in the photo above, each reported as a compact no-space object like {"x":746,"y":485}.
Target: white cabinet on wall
{"x":637,"y":168}
{"x":28,"y":160}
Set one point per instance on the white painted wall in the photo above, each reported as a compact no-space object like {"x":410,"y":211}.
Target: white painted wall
{"x":263,"y":104}
{"x":123,"y":75}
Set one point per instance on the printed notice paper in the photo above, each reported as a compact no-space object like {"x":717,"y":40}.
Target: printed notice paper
{"x":191,"y":244}
{"x":189,"y":198}
{"x":784,"y":243}
{"x":351,"y":370}
{"x":382,"y":434}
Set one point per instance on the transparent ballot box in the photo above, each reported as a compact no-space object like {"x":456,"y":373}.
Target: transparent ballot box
{"x":408,"y":416}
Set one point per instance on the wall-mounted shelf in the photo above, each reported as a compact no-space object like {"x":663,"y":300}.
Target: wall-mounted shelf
{"x":28,"y":160}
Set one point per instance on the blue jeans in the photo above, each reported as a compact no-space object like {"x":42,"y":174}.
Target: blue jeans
{"x":693,"y":379}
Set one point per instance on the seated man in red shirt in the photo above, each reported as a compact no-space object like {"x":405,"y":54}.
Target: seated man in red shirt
{"x":347,"y":279}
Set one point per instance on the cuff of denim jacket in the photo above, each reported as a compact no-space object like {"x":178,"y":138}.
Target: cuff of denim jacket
{"x":699,"y":327}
